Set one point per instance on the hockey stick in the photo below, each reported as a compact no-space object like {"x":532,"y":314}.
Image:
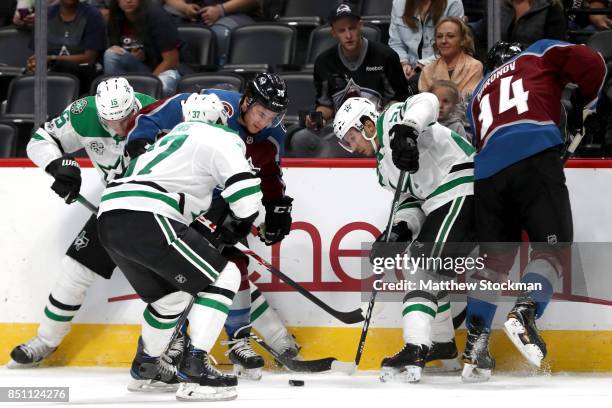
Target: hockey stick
{"x":305,"y":366}
{"x":351,"y":317}
{"x":352,"y":367}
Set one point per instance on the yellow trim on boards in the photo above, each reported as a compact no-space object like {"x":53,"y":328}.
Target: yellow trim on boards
{"x":114,"y":346}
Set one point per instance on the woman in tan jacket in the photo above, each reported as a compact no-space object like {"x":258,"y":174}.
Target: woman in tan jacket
{"x":455,"y":46}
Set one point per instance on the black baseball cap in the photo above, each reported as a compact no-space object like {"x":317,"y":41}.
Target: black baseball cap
{"x":343,"y":10}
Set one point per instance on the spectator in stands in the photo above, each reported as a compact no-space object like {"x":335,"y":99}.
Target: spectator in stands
{"x":411,"y":32}
{"x":526,"y":21}
{"x":454,"y":45}
{"x":601,"y":22}
{"x":143,"y":39}
{"x":220,"y":15}
{"x":355,"y":67}
{"x":24,"y":13}
{"x":76,"y":37}
{"x":452,"y":112}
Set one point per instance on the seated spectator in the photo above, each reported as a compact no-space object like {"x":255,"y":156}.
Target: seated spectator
{"x":355,"y":67}
{"x":76,"y":38}
{"x":411,"y":32}
{"x":222,"y":16}
{"x":452,"y":112}
{"x":24,"y":13}
{"x":527,"y":21}
{"x":143,"y":39}
{"x":455,"y":46}
{"x":601,"y":22}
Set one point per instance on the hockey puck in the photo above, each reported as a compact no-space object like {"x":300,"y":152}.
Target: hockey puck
{"x":296,"y":383}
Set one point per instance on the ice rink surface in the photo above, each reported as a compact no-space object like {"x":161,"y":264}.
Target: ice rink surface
{"x":101,"y":387}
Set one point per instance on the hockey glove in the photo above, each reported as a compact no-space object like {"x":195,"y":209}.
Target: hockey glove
{"x":67,"y":174}
{"x":404,"y":150}
{"x":278,"y":220}
{"x":135,"y":148}
{"x":233,"y":229}
{"x":399,"y":239}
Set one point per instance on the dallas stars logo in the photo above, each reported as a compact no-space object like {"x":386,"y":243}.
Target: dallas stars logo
{"x":114,"y":170}
{"x":78,"y":106}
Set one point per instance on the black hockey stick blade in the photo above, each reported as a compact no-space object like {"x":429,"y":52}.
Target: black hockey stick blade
{"x":304,"y":366}
{"x":354,"y":316}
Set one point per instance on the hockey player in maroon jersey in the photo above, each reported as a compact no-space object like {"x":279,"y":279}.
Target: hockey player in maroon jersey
{"x":520,"y":185}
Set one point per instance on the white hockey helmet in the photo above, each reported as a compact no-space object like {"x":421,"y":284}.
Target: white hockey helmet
{"x":115,"y":99}
{"x":351,"y":115}
{"x":204,"y":108}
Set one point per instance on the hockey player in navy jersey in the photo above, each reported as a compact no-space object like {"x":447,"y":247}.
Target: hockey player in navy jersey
{"x":256,"y":116}
{"x":520,"y":185}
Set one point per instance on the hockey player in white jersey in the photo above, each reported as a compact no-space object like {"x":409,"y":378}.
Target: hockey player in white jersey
{"x":97,"y":124}
{"x":435,"y":210}
{"x":144,"y":223}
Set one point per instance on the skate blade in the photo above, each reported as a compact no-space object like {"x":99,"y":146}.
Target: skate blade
{"x":407,"y":374}
{"x":197,"y":392}
{"x":450,"y":365}
{"x":253,"y":374}
{"x":13,"y":365}
{"x":151,"y":386}
{"x":531,"y":352}
{"x":473,"y":374}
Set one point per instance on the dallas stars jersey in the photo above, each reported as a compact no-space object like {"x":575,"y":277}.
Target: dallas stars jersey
{"x":446,"y":160}
{"x":76,"y":128}
{"x":515,"y":110}
{"x":176,"y":176}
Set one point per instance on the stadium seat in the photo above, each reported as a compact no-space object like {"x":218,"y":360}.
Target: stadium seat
{"x":260,"y":47}
{"x":321,"y":39}
{"x":62,"y":89}
{"x":301,"y":93}
{"x":602,"y":42}
{"x":310,"y":12}
{"x":14,"y":47}
{"x":376,"y":8}
{"x":8,"y":140}
{"x":143,"y":83}
{"x":200,"y":45}
{"x":197,"y":82}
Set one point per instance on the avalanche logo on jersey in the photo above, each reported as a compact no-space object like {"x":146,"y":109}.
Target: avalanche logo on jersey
{"x":81,"y":241}
{"x":228,"y":107}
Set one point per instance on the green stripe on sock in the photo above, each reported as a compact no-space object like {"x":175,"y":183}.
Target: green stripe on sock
{"x":214,"y":304}
{"x":419,"y":308}
{"x":153,"y":322}
{"x":57,"y":318}
{"x":444,"y":307}
{"x":259,"y":311}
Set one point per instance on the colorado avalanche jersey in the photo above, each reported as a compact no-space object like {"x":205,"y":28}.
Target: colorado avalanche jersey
{"x":515,"y":110}
{"x":263,"y":149}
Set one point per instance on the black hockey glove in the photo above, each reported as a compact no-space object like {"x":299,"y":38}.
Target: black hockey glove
{"x":278,"y":220}
{"x":67,"y":174}
{"x":404,"y":150}
{"x":233,"y":229}
{"x":136,"y":147}
{"x":399,"y":239}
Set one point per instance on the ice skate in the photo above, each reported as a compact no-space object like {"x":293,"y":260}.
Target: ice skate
{"x":477,"y":362}
{"x":286,"y":347}
{"x":406,"y":365}
{"x":30,"y":354}
{"x":522,"y":331}
{"x":247,"y":363}
{"x":152,"y":374}
{"x":200,"y":381}
{"x":446,"y":354}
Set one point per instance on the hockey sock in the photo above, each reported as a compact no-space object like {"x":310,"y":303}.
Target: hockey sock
{"x":159,"y":320}
{"x":418,"y":312}
{"x":64,"y":301}
{"x":264,"y":318}
{"x":481,"y":311}
{"x":240,"y":310}
{"x":211,"y":308}
{"x":442,"y":330}
{"x":540,"y":271}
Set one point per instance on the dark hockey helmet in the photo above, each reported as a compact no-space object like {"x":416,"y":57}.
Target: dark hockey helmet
{"x":501,"y":53}
{"x":270,"y":91}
